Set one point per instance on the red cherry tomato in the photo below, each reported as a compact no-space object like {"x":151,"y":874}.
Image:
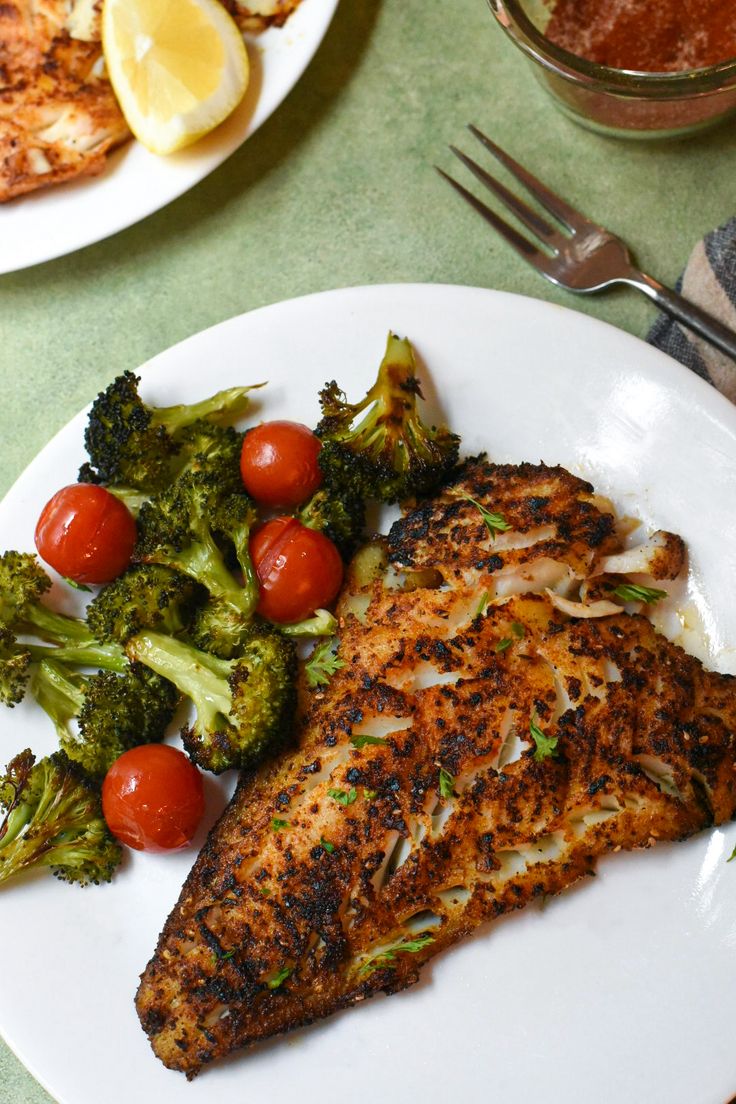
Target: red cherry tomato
{"x":299,"y":569}
{"x":279,"y":463}
{"x":86,"y":534}
{"x":153,"y":799}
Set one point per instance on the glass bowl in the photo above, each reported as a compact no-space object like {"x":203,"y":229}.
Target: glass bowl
{"x":619,"y":102}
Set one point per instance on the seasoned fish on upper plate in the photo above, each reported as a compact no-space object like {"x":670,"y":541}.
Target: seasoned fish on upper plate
{"x":59,"y":118}
{"x":479,"y":748}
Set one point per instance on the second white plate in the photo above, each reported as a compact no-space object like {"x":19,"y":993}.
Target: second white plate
{"x":55,"y":221}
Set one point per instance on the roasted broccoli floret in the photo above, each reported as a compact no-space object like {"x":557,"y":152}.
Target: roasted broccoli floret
{"x":53,"y":817}
{"x":22,"y":583}
{"x":178,"y":528}
{"x":146,"y":596}
{"x":136,"y":445}
{"x":113,"y":712}
{"x":15,"y":661}
{"x":380,"y":447}
{"x":244,"y":706}
{"x":338,"y":513}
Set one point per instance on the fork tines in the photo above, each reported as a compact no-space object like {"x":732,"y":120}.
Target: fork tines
{"x":550,"y":235}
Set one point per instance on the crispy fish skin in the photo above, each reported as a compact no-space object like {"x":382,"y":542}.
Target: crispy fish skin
{"x":338,"y":870}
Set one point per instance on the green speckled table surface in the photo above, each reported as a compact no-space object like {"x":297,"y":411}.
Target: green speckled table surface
{"x":337,"y":189}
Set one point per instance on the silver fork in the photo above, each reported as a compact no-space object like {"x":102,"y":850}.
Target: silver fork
{"x":582,"y":257}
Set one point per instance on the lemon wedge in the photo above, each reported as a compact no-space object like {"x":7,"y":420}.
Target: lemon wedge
{"x":178,"y":67}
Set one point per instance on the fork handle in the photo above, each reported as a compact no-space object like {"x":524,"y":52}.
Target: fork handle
{"x":685,"y":312}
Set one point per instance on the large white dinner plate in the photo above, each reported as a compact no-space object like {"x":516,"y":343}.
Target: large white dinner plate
{"x":55,"y":221}
{"x":624,"y":989}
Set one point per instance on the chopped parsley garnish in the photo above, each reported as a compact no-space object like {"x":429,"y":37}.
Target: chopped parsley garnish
{"x":370,"y":794}
{"x":322,"y":664}
{"x":363,"y":741}
{"x":447,"y":784}
{"x":329,"y":847}
{"x":344,"y":797}
{"x":76,"y":585}
{"x":482,"y":605}
{"x":278,"y":979}
{"x":631,"y":592}
{"x":217,"y":957}
{"x":386,"y":959}
{"x":277,"y":824}
{"x":517,"y":632}
{"x":495,"y":523}
{"x":544,"y":746}
{"x":732,"y":855}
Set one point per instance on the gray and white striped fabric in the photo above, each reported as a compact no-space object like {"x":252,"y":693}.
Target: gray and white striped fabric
{"x":709,"y":280}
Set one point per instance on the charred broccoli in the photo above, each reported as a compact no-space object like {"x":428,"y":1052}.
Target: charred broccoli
{"x":180,"y":528}
{"x":380,"y":447}
{"x":15,"y":661}
{"x":146,"y":596}
{"x":53,"y":817}
{"x":136,"y":445}
{"x":339,"y":514}
{"x":113,"y":712}
{"x":22,"y":583}
{"x":243,"y":706}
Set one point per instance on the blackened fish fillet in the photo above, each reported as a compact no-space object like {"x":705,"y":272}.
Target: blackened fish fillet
{"x":477,"y":749}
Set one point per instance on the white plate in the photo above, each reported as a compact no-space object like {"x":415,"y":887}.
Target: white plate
{"x":55,"y":221}
{"x":622,"y":990}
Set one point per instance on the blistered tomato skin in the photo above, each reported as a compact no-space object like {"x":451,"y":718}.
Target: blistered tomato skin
{"x":153,"y":798}
{"x":278,"y":464}
{"x":86,"y":534}
{"x":299,"y":569}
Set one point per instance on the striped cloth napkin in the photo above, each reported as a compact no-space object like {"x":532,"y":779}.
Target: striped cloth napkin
{"x":709,"y":280}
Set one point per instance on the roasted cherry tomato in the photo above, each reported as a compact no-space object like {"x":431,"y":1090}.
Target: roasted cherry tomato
{"x":153,"y":799}
{"x":86,"y":534}
{"x":299,"y":569}
{"x":279,"y":463}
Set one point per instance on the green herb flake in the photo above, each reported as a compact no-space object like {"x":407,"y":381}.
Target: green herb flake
{"x":278,"y":979}
{"x":544,"y":746}
{"x":495,"y":523}
{"x":369,"y":794}
{"x":447,"y":784}
{"x":732,"y":856}
{"x":631,"y":592}
{"x":76,"y":585}
{"x":364,"y":741}
{"x":503,"y":644}
{"x":518,"y":630}
{"x":343,"y":797}
{"x":482,"y":605}
{"x":277,"y":824}
{"x":264,"y":891}
{"x":386,"y":959}
{"x":329,"y":847}
{"x":322,"y":664}
{"x":217,"y":957}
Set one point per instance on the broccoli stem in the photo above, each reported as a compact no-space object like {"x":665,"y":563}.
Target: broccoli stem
{"x":203,"y":561}
{"x":58,"y":695}
{"x":224,"y":406}
{"x":107,"y":657}
{"x":56,"y":627}
{"x":196,"y":674}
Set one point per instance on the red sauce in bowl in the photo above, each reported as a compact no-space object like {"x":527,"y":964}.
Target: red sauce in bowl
{"x":654,"y":36}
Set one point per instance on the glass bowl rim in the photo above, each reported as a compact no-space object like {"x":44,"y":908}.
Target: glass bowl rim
{"x":517,"y":24}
